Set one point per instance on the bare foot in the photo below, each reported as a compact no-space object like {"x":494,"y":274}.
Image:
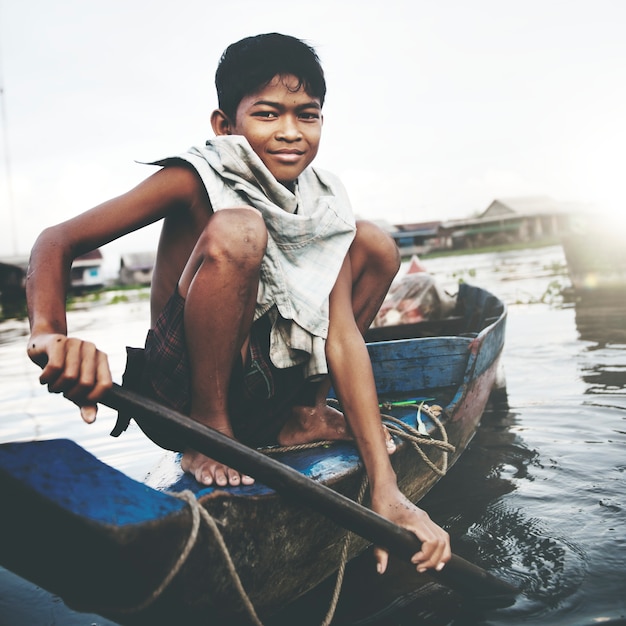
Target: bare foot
{"x":207,"y":471}
{"x":320,"y":423}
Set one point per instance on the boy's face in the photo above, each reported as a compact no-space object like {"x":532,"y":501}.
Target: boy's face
{"x":282,"y":125}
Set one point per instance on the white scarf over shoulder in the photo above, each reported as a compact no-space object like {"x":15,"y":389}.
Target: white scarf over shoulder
{"x":310,"y":231}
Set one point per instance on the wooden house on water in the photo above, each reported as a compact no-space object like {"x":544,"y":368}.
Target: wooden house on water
{"x":511,"y":220}
{"x":136,"y":268}
{"x":86,"y":272}
{"x":13,"y":286}
{"x":419,"y":238}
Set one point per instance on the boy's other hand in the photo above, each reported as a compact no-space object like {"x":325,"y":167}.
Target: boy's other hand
{"x":73,"y":367}
{"x":435,"y":551}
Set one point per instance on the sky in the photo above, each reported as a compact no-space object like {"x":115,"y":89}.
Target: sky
{"x":434,"y":107}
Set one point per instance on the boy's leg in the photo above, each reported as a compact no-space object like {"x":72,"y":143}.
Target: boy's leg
{"x":375,"y":261}
{"x":219,"y":285}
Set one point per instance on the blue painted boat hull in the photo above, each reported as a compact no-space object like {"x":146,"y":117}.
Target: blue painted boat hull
{"x":104,"y":542}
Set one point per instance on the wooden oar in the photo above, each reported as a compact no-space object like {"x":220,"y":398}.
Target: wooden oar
{"x":458,"y":574}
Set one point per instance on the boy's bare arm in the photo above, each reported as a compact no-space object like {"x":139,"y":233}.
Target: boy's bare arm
{"x":352,"y":377}
{"x":71,"y":366}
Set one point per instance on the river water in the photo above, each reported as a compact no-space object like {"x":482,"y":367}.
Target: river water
{"x":537,"y":499}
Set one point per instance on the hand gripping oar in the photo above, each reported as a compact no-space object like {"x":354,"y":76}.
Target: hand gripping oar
{"x":458,"y":574}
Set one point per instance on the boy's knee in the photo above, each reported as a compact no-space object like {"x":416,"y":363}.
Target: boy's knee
{"x":378,"y":246}
{"x":237,"y":234}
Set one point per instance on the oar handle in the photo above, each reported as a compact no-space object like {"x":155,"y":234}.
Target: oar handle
{"x":458,"y":573}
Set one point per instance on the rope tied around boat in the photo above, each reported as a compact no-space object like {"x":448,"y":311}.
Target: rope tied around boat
{"x":198,"y":513}
{"x":198,"y":509}
{"x":400,"y":429}
{"x":422,"y":439}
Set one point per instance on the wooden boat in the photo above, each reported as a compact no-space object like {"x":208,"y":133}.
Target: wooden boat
{"x":104,"y":542}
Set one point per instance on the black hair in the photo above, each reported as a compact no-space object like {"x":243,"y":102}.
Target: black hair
{"x":250,"y":64}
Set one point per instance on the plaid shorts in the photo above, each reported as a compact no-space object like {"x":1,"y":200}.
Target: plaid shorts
{"x":260,"y":395}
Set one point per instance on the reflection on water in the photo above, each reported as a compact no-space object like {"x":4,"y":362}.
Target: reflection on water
{"x":537,"y":499}
{"x":601,"y":321}
{"x":601,"y":317}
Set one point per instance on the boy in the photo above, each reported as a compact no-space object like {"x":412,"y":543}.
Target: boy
{"x":263,"y":284}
